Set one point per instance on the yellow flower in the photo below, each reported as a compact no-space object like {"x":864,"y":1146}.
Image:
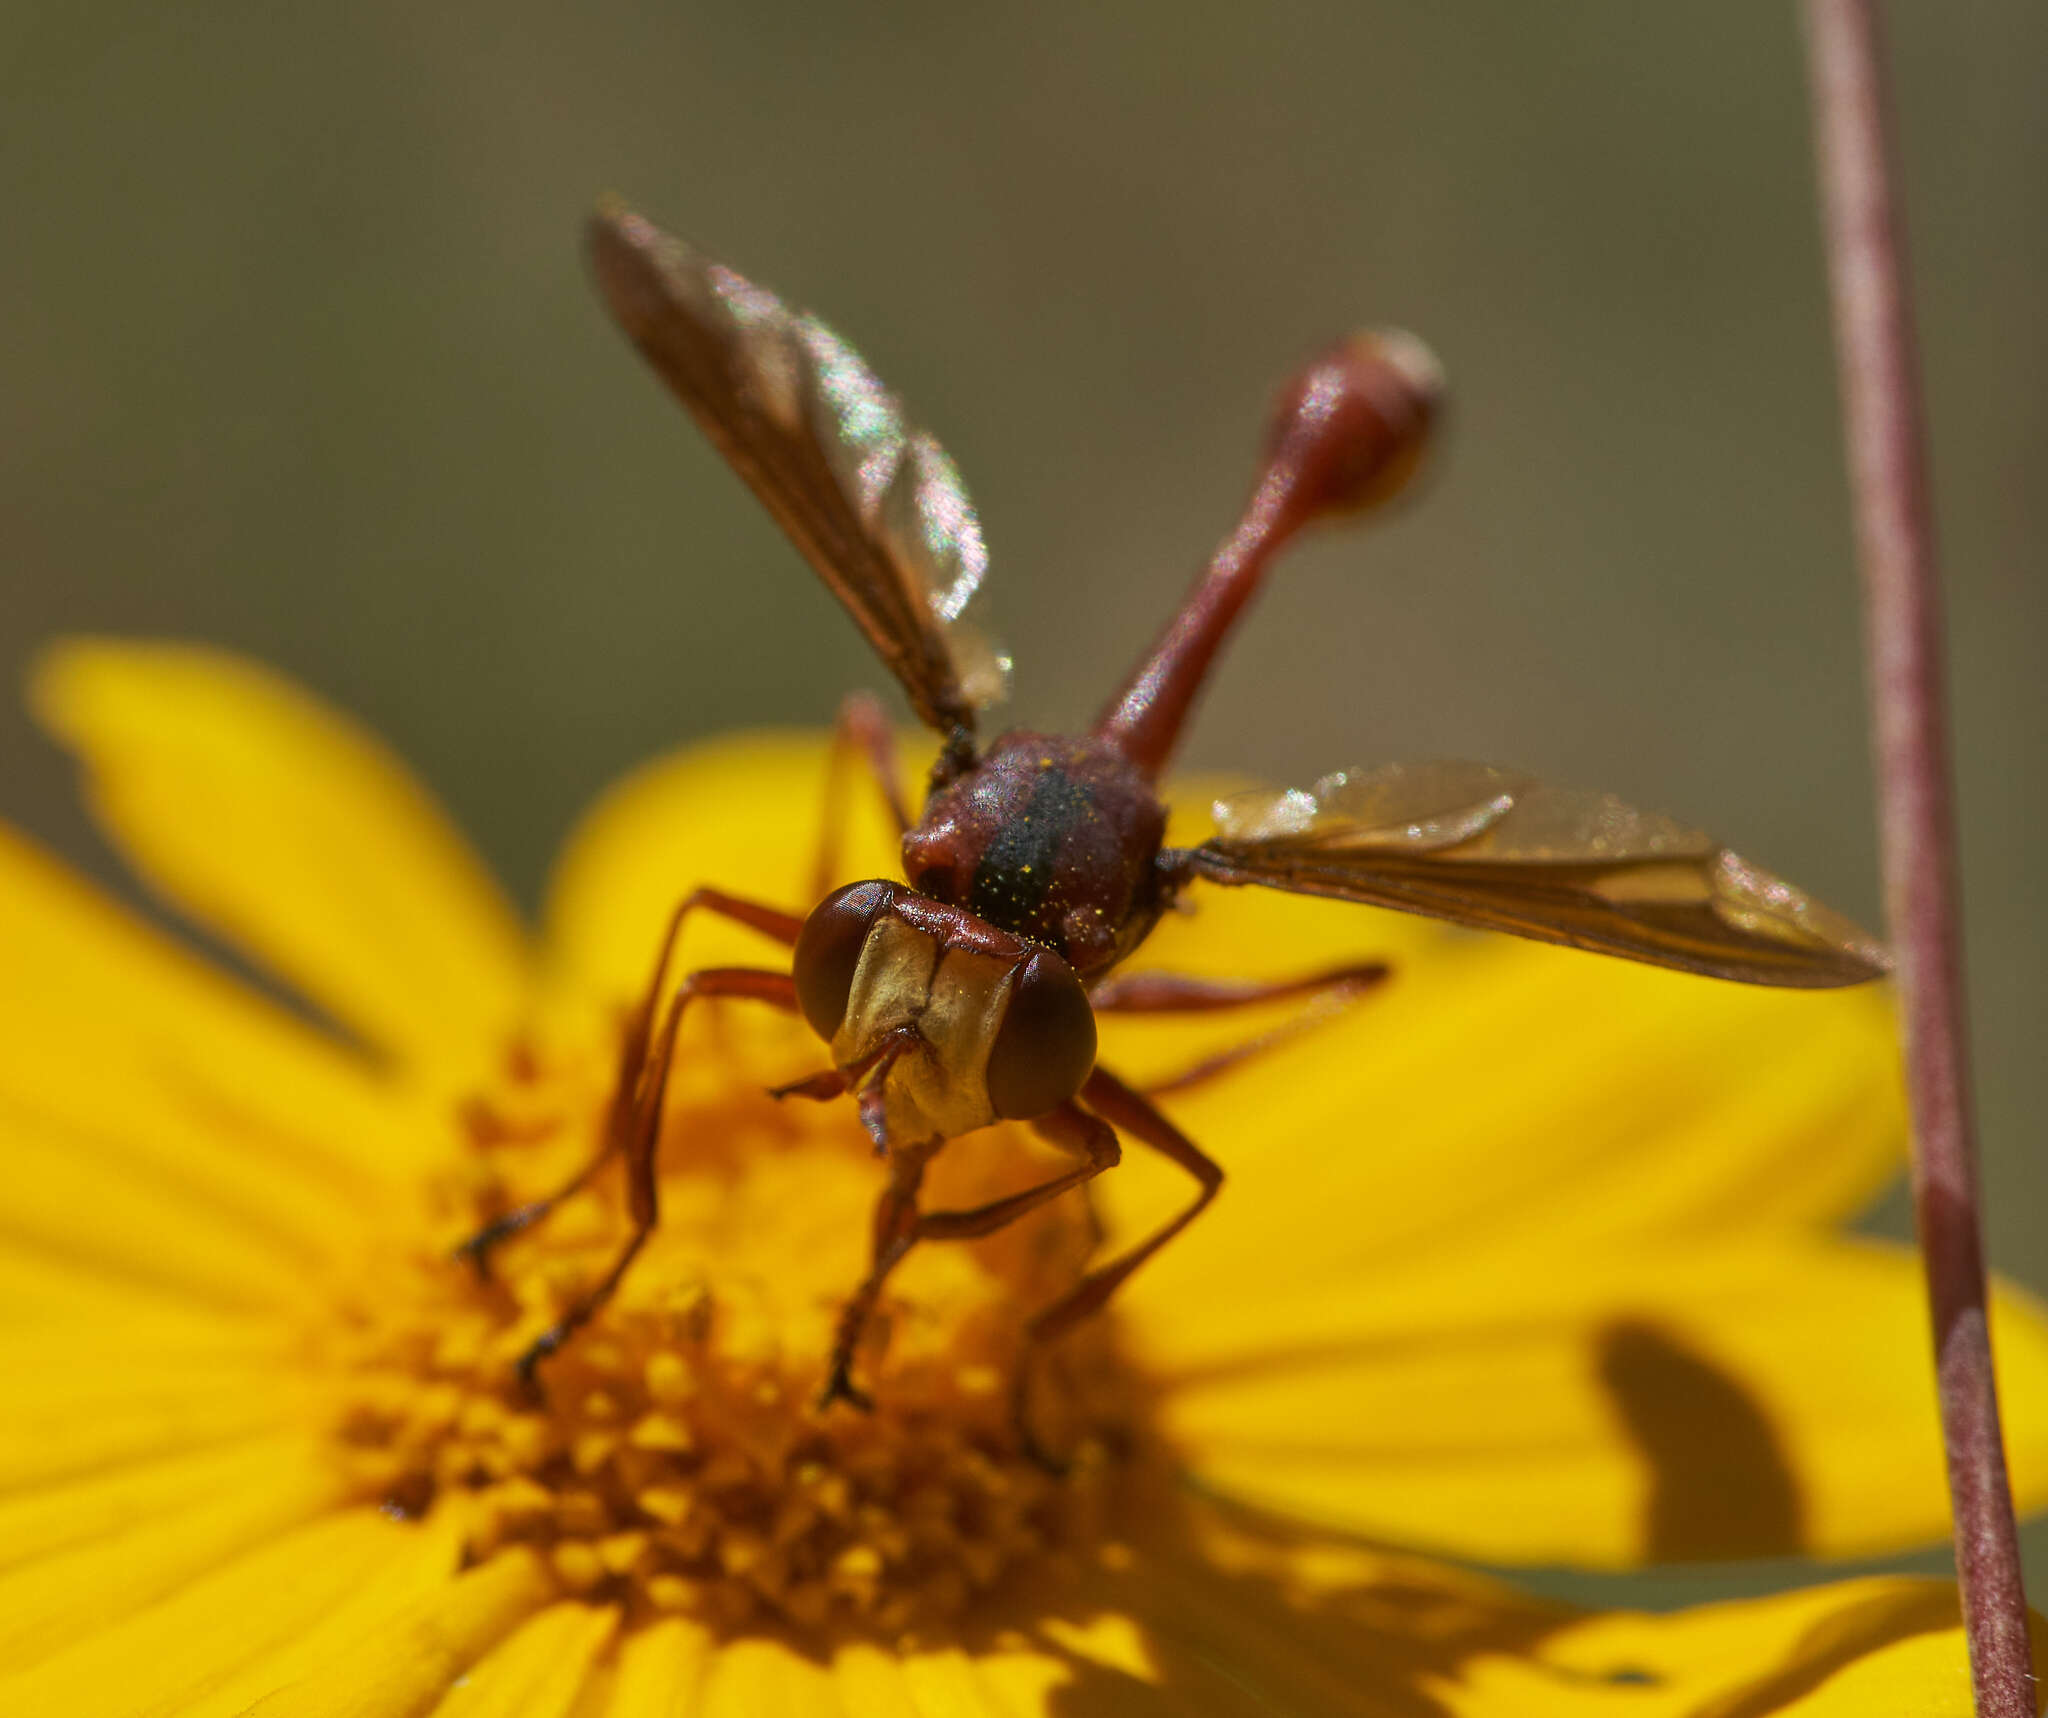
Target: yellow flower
{"x":1528,"y":1257}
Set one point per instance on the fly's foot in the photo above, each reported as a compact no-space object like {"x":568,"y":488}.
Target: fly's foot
{"x":817,"y":1087}
{"x":1035,"y":1449}
{"x":1053,"y":1466}
{"x":840,"y":1387}
{"x":476,"y":1251}
{"x":527,"y":1367}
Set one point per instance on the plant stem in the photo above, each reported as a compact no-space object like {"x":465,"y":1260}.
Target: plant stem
{"x":1903,"y":634}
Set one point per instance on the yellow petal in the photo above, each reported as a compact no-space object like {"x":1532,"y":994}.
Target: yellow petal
{"x":421,"y":1563}
{"x":1216,"y":1617}
{"x":1505,"y":1092}
{"x":78,"y":1404}
{"x":1852,"y":1650}
{"x":53,"y":1517}
{"x":1600,"y":1410}
{"x":660,"y":1669}
{"x":188,"y":1169}
{"x":51,"y":1601}
{"x":539,"y":1670}
{"x":66,"y":1199}
{"x":135,"y":1042}
{"x":39,"y":1291}
{"x":289,"y":830}
{"x":406,"y":1663}
{"x":741,"y":814}
{"x":756,"y":1674}
{"x":946,"y":1681}
{"x":1223,"y":1615}
{"x":871,"y":1683}
{"x":162,"y":1656}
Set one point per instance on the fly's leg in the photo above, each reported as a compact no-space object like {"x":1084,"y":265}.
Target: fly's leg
{"x":642,"y":1139}
{"x":899,"y":1226}
{"x":862,"y":731}
{"x":1177,"y":993}
{"x":1131,"y":1113}
{"x":821,"y":1087}
{"x":895,"y":1232}
{"x":633,"y":1063}
{"x":1173,"y":993}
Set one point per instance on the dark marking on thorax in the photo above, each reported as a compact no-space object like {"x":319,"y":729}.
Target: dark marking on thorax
{"x":1019,"y":867}
{"x":1048,"y":837}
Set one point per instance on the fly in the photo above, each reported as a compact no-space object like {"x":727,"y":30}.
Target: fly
{"x":967,"y":993}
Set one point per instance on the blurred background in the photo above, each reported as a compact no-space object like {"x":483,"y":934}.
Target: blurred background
{"x":300,"y":358}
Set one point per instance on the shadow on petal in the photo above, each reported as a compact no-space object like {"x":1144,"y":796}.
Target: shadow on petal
{"x":1838,"y":1641}
{"x":1212,"y":1609}
{"x":1721,"y":1485}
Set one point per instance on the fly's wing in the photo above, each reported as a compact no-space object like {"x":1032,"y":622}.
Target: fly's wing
{"x":1486,"y":847}
{"x":874,"y":504}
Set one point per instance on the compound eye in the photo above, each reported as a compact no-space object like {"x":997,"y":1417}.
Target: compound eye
{"x":1046,"y":1044}
{"x":828,"y":949}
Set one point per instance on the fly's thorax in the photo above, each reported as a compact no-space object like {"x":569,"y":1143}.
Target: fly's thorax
{"x":1052,"y":838}
{"x":962,"y":1024}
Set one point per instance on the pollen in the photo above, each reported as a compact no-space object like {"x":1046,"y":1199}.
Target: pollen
{"x":672,"y":1457}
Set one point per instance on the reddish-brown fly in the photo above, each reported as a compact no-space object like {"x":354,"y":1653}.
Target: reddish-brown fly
{"x":968,"y":994}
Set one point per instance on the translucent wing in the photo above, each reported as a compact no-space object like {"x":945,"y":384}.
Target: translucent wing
{"x":874,"y":504}
{"x":1487,"y":847}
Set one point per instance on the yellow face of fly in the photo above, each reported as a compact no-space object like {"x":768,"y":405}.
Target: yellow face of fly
{"x":954,"y":999}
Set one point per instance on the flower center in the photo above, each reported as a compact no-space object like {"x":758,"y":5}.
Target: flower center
{"x":672,"y":1455}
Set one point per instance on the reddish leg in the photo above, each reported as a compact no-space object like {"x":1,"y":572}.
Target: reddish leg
{"x":1173,"y":993}
{"x":864,"y":1079}
{"x":862,"y":730}
{"x":1131,"y":1113}
{"x":895,"y":1232}
{"x":1115,"y":1103}
{"x":899,"y":1226}
{"x":633,"y":1062}
{"x":643,"y":1138}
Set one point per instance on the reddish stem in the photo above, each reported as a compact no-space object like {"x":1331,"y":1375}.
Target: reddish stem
{"x":1902,"y":618}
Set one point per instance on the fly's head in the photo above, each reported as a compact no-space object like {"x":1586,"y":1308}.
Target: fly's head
{"x":939,"y":1022}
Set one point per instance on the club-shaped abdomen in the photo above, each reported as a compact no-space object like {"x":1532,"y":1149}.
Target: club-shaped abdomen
{"x":1045,"y":1044}
{"x":1349,"y":435}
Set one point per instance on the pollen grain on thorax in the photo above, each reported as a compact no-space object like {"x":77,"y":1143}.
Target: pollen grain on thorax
{"x":673,"y":1458}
